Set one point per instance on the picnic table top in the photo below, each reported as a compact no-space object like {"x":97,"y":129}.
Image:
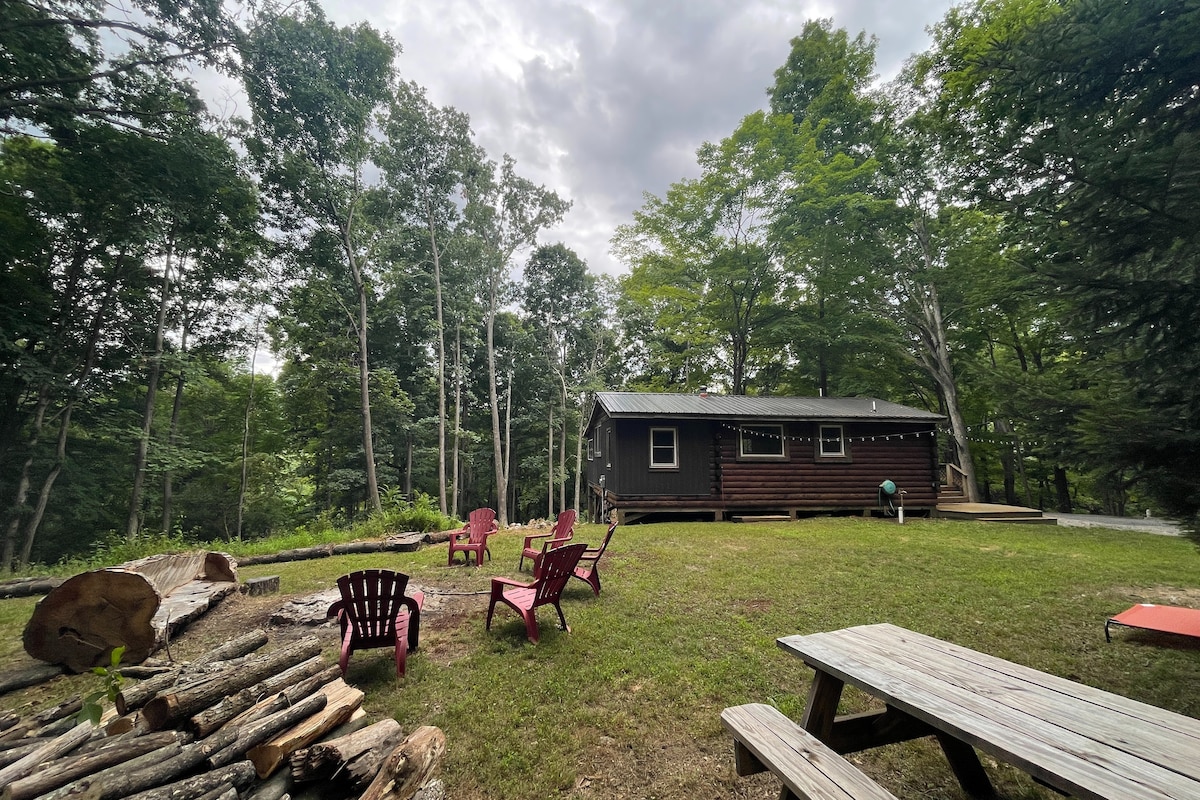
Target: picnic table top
{"x":1085,"y":741}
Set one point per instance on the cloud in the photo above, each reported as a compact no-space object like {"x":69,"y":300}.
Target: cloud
{"x":602,"y":100}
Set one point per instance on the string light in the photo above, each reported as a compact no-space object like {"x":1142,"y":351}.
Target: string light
{"x":812,"y":439}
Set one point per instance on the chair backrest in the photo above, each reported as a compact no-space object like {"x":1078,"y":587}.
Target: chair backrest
{"x":371,"y":600}
{"x":481,"y":523}
{"x":554,"y":570}
{"x":595,"y":554}
{"x":564,"y":526}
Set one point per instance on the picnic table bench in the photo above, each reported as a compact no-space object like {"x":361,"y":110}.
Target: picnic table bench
{"x":1079,"y":740}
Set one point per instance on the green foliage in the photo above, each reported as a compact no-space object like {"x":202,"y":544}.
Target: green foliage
{"x":112,"y":679}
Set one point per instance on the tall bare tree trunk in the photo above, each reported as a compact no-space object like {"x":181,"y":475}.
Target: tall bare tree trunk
{"x":168,"y":485}
{"x":134,"y":523}
{"x":550,"y":464}
{"x":935,"y":357}
{"x":246,"y":417}
{"x":441,"y":355}
{"x":364,"y":371}
{"x":494,"y":400}
{"x":457,"y":414}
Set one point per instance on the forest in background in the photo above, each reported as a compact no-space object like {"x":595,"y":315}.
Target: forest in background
{"x":1005,"y":233}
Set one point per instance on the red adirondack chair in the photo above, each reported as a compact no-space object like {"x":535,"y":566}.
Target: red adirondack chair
{"x":563,"y":530}
{"x":588,"y":569}
{"x":375,"y":612}
{"x":555,"y":567}
{"x":472,"y":537}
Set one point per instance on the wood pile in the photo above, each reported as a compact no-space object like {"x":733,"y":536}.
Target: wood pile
{"x":233,"y":723}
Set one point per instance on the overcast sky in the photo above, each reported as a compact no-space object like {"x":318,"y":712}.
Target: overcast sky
{"x":602,"y":100}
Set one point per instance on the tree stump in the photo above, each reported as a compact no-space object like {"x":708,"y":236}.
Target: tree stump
{"x":80,"y":622}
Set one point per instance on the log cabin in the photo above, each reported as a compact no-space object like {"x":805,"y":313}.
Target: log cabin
{"x":718,"y":457}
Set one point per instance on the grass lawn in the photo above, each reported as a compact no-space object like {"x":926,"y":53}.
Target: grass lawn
{"x":627,"y":705}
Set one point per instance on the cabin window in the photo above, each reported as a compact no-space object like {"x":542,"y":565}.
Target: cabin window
{"x":664,"y":448}
{"x":590,"y":452}
{"x":831,"y":442}
{"x":761,"y":441}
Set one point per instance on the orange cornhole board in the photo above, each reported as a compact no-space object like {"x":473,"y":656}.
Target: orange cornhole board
{"x":1165,"y":619}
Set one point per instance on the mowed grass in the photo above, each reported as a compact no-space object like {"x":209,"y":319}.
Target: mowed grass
{"x":627,"y":704}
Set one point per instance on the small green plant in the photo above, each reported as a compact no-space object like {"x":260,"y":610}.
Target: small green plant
{"x":112,"y":678}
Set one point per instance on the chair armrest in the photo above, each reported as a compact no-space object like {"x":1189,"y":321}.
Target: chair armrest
{"x":529,"y":539}
{"x":552,"y":543}
{"x":509,"y":582}
{"x":335,"y":609}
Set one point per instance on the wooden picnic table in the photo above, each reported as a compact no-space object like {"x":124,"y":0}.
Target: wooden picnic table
{"x":1077,"y":739}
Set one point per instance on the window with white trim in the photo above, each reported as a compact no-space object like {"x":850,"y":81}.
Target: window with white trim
{"x":761,"y":441}
{"x":590,"y":452}
{"x":831,"y":441}
{"x":664,"y":448}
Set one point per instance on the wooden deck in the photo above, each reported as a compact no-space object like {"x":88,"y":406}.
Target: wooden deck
{"x":992,"y":512}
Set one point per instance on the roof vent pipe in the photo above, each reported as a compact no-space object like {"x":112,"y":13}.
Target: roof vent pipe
{"x":704,"y":391}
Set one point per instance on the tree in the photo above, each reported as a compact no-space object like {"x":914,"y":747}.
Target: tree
{"x":204,"y":214}
{"x":426,"y":157}
{"x":72,"y":61}
{"x":703,"y":267}
{"x":1082,"y":132}
{"x":559,"y":301}
{"x":505,"y":213}
{"x":314,"y":89}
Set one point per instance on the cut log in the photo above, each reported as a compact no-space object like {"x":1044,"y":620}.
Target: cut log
{"x":275,"y":787}
{"x":343,"y":700}
{"x":89,"y":786}
{"x":356,"y":758}
{"x":213,"y":717}
{"x":243,"y":645}
{"x":239,"y":775}
{"x":191,"y":697}
{"x":267,"y":584}
{"x":117,"y":782}
{"x":28,"y":587}
{"x":416,"y":761}
{"x":258,"y":732}
{"x":63,"y":771}
{"x":58,"y":746}
{"x":28,"y":676}
{"x":80,"y":622}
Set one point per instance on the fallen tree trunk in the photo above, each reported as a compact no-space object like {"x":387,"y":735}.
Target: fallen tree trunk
{"x":410,"y":766}
{"x":343,"y":701}
{"x":28,"y":676}
{"x":402,"y":543}
{"x":190,"y":698}
{"x":81,"y":621}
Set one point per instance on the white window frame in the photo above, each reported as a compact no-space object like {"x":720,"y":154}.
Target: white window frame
{"x":776,"y":431}
{"x":674,"y":448}
{"x":591,"y":453}
{"x":821,"y":441}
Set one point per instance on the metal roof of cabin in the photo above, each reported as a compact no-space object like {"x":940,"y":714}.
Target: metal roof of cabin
{"x":831,"y":409}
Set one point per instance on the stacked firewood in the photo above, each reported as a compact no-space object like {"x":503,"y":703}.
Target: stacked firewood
{"x":232,"y":723}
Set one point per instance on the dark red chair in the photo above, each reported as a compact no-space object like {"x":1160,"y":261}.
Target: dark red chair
{"x":588,"y":569}
{"x":375,"y":612}
{"x":563,"y":530}
{"x":472,"y":537}
{"x":555,"y":567}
